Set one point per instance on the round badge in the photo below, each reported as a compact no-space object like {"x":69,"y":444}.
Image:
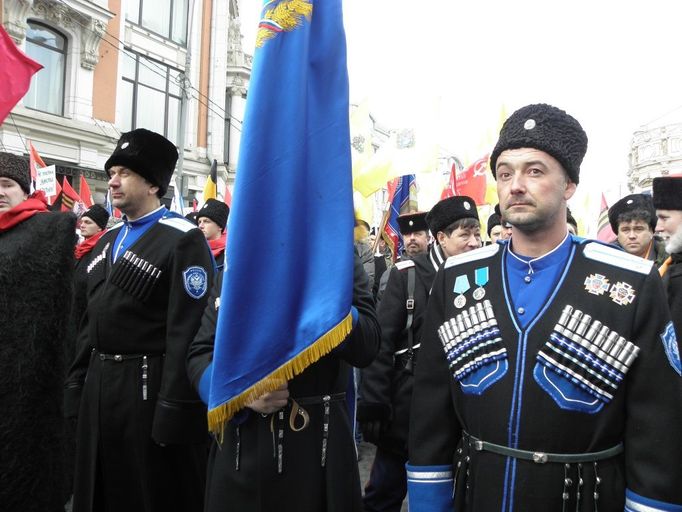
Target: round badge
{"x":479,"y":293}
{"x":467,"y":206}
{"x":529,"y":124}
{"x":125,"y":145}
{"x":460,"y":301}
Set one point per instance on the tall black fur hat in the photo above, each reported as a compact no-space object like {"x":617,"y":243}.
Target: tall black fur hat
{"x":15,"y":168}
{"x":411,"y":222}
{"x":493,"y":220}
{"x":98,"y":214}
{"x":149,"y":154}
{"x":447,"y":211}
{"x":630,"y":203}
{"x":668,"y":193}
{"x":548,"y":129}
{"x":215,"y":210}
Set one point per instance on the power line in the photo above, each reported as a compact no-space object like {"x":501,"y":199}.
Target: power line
{"x":11,"y":116}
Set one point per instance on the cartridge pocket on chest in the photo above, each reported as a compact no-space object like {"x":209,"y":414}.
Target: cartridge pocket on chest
{"x":473,"y":348}
{"x":583,"y":362}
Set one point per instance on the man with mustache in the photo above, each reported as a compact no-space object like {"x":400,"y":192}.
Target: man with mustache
{"x":549,"y":370}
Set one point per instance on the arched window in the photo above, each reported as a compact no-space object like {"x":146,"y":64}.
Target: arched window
{"x":48,"y":47}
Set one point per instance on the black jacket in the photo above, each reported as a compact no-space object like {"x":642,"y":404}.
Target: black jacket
{"x":141,"y":426}
{"x":386,"y":386}
{"x":303,"y":486}
{"x":36,"y":269}
{"x":536,"y":389}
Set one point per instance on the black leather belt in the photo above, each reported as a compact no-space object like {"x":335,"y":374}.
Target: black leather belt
{"x":544,"y":457}
{"x":119,"y":358}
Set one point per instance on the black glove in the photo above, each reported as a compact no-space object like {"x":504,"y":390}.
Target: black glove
{"x":373,"y":431}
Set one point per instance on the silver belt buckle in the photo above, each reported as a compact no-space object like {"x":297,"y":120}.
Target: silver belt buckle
{"x":539,"y":458}
{"x":478,"y":446}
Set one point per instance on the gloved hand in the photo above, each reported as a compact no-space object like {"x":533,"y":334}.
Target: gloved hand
{"x":372,"y":431}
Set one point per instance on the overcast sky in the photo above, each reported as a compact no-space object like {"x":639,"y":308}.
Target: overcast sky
{"x":615,"y":66}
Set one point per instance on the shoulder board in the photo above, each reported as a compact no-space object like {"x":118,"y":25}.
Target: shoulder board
{"x":402,"y":265}
{"x":118,"y":225}
{"x":478,"y":254}
{"x":612,"y":256}
{"x":178,"y":223}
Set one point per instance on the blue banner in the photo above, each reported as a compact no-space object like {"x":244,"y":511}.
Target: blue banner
{"x":287,"y":291}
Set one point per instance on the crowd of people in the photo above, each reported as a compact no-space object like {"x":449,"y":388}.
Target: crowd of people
{"x":535,"y":370}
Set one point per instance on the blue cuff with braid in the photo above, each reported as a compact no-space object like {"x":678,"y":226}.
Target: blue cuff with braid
{"x":430,"y":488}
{"x":636,"y":503}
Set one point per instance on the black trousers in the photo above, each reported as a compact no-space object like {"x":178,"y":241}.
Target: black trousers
{"x":387,"y":484}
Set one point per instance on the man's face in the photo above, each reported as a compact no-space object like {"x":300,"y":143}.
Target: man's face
{"x":635,"y":236}
{"x":11,"y":194}
{"x":88,"y":227}
{"x":496,"y":233}
{"x":670,"y":225}
{"x":210,"y":229}
{"x":416,"y":242}
{"x":533,"y":189}
{"x":460,"y":240}
{"x":129,"y":190}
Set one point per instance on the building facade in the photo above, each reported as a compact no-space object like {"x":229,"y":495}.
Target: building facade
{"x":655,"y":151}
{"x":115,"y":65}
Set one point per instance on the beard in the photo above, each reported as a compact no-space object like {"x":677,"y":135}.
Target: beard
{"x":674,"y":243}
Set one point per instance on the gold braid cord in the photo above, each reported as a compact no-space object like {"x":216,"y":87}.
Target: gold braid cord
{"x":288,"y":15}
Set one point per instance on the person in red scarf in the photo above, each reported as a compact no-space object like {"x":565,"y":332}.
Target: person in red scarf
{"x":212,"y":219}
{"x":36,"y":273}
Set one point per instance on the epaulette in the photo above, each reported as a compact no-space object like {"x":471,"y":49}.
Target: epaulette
{"x":476,"y":254}
{"x":618,"y":258}
{"x":177,"y":222}
{"x":402,"y":265}
{"x":118,"y":225}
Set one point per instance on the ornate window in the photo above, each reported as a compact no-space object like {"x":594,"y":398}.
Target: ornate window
{"x":48,"y":47}
{"x":167,"y":18}
{"x":150,"y":96}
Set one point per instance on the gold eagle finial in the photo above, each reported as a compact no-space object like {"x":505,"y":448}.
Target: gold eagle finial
{"x":286,"y":16}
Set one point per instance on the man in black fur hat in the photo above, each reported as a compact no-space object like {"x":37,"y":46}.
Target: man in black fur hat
{"x":549,"y":375}
{"x":141,"y":435}
{"x":386,"y":390}
{"x":633,"y":220}
{"x":212,"y":219}
{"x":667,"y":200}
{"x":36,"y":267}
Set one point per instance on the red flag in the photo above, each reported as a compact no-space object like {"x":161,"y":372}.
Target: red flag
{"x":450,"y":189}
{"x":70,"y":198}
{"x":34,"y":161}
{"x":472,"y":180}
{"x":85,"y":194}
{"x":15,"y":74}
{"x":604,"y":231}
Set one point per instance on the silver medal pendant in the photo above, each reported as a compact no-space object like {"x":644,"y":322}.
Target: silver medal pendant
{"x":479,"y":293}
{"x":460,"y":301}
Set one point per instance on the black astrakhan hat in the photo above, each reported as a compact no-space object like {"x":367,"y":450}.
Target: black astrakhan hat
{"x":668,"y":193}
{"x":192,"y":217}
{"x":215,"y":210}
{"x":15,"y":168}
{"x":149,"y":154}
{"x":493,"y":220}
{"x":411,"y":222}
{"x":630,"y":203}
{"x":449,"y":210}
{"x":548,"y":129}
{"x":98,"y":214}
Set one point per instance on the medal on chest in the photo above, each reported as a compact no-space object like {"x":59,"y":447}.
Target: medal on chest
{"x":481,"y":276}
{"x":461,"y":287}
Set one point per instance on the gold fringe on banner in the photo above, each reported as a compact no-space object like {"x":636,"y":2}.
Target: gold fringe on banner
{"x":219,"y":416}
